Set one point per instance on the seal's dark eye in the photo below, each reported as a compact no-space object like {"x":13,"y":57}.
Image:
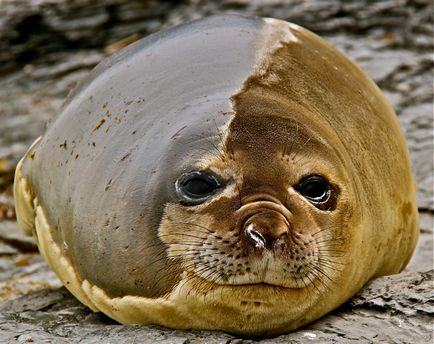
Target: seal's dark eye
{"x":195,"y":187}
{"x":315,"y":189}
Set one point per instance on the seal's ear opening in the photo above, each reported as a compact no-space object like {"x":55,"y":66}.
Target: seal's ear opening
{"x":196,"y":187}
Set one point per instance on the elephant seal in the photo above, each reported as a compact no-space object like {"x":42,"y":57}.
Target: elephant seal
{"x":234,"y":173}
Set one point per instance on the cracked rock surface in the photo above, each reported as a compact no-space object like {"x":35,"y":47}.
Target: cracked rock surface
{"x":47,"y":46}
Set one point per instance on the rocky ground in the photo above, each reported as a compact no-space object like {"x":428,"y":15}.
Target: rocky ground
{"x":47,"y":46}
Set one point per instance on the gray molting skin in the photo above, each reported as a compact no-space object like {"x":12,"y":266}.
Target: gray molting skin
{"x":263,"y":105}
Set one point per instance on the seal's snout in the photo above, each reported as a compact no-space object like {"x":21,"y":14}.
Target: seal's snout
{"x":266,"y":229}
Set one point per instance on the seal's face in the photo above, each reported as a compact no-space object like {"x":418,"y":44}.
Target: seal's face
{"x":269,"y":208}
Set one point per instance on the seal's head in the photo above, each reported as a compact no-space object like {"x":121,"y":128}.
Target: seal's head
{"x":266,"y":224}
{"x":241,"y":175}
{"x":272,"y":207}
{"x":289,"y":215}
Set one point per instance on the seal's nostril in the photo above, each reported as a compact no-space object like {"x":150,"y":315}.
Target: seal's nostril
{"x":257,"y":237}
{"x":266,"y":236}
{"x":266,"y":229}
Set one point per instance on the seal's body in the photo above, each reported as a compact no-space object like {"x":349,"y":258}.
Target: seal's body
{"x":234,"y":173}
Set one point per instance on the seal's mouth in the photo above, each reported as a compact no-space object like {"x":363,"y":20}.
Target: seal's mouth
{"x":296,"y":283}
{"x":253,"y":286}
{"x":262,"y":285}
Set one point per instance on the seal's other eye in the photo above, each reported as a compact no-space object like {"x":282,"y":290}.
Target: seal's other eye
{"x":315,"y":188}
{"x":196,"y":187}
